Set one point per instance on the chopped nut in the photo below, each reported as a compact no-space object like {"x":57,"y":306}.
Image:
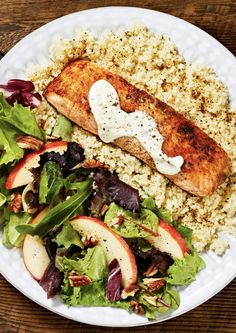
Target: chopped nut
{"x":29,"y":142}
{"x":104,"y":209}
{"x":137,"y":308}
{"x":79,"y":280}
{"x":16,"y":202}
{"x":89,"y":241}
{"x":52,"y":137}
{"x":154,"y":284}
{"x":152,"y":270}
{"x":42,"y":123}
{"x":117,"y":221}
{"x":114,"y":223}
{"x":130,"y":291}
{"x":93,"y":164}
{"x":120,"y":219}
{"x":151,"y":299}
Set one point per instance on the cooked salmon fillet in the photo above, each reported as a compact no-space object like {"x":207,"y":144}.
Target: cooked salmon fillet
{"x":206,"y":164}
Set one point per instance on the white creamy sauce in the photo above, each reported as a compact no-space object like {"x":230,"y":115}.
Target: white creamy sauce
{"x":113,"y":123}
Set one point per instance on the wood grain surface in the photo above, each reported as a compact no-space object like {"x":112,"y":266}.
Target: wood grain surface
{"x":17,"y":19}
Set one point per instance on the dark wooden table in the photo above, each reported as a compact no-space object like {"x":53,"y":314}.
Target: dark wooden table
{"x":17,"y":19}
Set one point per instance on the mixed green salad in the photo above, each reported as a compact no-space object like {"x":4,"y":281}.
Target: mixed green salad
{"x":84,"y":234}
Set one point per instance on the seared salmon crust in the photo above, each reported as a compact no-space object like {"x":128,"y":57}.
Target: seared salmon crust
{"x":206,"y":164}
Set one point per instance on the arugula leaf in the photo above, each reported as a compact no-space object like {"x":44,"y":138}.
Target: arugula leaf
{"x":11,"y":237}
{"x":164,"y":214}
{"x":60,"y":213}
{"x":51,"y":183}
{"x":184,"y":271}
{"x":63,"y":128}
{"x":68,"y":236}
{"x":14,"y":121}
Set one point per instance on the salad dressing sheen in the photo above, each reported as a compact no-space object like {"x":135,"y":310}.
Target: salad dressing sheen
{"x":113,"y":123}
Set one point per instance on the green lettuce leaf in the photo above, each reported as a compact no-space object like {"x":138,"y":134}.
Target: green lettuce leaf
{"x":184,"y":271}
{"x":63,"y":128}
{"x":10,"y":150}
{"x":11,"y":237}
{"x":94,"y":265}
{"x":149,"y":203}
{"x":51,"y":183}
{"x":130,"y":226}
{"x":14,"y":121}
{"x":67,"y":237}
{"x":91,"y":295}
{"x":171,"y":297}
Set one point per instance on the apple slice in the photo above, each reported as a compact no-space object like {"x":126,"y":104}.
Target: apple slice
{"x":34,"y":254}
{"x":169,"y":240}
{"x":20,"y":175}
{"x":114,"y":246}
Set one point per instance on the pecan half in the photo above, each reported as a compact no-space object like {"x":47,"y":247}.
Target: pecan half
{"x":136,"y":307}
{"x":117,"y":221}
{"x":79,"y":280}
{"x":93,"y":164}
{"x":154,"y":284}
{"x":130,"y":291}
{"x":89,"y":241}
{"x":16,"y":202}
{"x":29,"y":142}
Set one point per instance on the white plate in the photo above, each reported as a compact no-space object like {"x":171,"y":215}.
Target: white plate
{"x":196,"y":46}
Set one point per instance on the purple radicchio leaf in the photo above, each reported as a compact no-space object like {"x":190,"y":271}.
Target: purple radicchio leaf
{"x":114,"y":190}
{"x":21,"y":91}
{"x":113,"y":289}
{"x":51,"y":280}
{"x":21,"y":85}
